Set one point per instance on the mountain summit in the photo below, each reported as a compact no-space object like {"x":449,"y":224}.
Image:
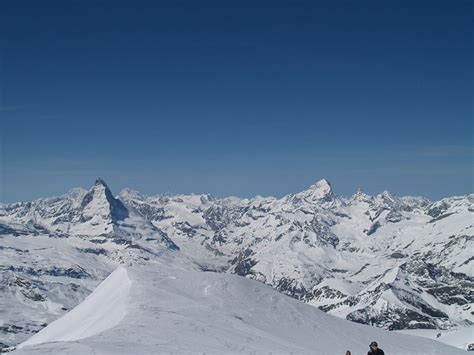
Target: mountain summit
{"x":99,"y":203}
{"x":321,"y":189}
{"x":320,"y":193}
{"x":100,"y":181}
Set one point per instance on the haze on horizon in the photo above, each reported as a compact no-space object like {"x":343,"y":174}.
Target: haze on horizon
{"x":238,"y":100}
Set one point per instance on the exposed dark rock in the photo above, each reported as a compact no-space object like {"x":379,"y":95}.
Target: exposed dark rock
{"x":242,"y":264}
{"x":325,"y":292}
{"x":437,"y":210}
{"x":150,"y":212}
{"x":96,"y":251}
{"x":291,"y":288}
{"x":395,"y":319}
{"x":397,"y":255}
{"x":185,"y":228}
{"x":373,"y":228}
{"x":394,"y":217}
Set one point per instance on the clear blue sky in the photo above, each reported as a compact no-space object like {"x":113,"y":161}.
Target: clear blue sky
{"x":236,"y":98}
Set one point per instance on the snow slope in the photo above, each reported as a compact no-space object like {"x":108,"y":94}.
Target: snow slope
{"x":460,"y":337}
{"x":101,"y":310}
{"x":173,"y":307}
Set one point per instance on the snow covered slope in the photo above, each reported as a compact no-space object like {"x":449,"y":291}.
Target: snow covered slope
{"x":101,"y":310}
{"x":168,"y":307}
{"x":462,"y":338}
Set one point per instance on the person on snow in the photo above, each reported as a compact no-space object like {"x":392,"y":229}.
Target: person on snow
{"x":374,"y":349}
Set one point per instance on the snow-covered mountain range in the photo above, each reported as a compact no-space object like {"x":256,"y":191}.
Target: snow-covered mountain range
{"x":393,"y":262}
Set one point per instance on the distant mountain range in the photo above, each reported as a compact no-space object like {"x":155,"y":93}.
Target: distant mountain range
{"x":393,"y":262}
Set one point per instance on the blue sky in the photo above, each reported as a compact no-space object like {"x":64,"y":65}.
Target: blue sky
{"x":237,"y":98}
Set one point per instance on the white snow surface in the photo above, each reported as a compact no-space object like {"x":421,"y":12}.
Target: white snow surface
{"x":460,"y":337}
{"x":172,"y":307}
{"x":103,"y":309}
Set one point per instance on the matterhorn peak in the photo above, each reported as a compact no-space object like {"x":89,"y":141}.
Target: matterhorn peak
{"x":100,"y":182}
{"x":101,"y":190}
{"x":99,"y":201}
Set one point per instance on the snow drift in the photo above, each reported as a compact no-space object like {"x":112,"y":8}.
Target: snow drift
{"x":101,"y":310}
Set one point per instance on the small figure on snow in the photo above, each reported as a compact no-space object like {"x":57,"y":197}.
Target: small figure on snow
{"x":374,"y":349}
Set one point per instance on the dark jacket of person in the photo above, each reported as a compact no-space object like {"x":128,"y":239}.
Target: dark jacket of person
{"x":376,"y":352}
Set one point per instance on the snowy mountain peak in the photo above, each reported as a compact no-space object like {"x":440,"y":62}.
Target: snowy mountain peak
{"x":321,"y":188}
{"x":387,"y":194}
{"x":99,"y":203}
{"x":100,"y":181}
{"x":388,"y":200}
{"x":320,"y":194}
{"x":360,"y":196}
{"x":321,"y":191}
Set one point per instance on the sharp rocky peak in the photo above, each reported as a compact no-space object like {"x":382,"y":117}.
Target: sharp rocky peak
{"x":361,"y":196}
{"x":388,"y":198}
{"x":99,"y":200}
{"x":321,"y":189}
{"x":322,"y":184}
{"x":100,"y":182}
{"x":100,"y":190}
{"x":320,"y":192}
{"x":387,"y":194}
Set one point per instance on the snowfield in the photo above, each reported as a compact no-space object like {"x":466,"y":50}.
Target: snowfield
{"x":102,"y":310}
{"x":460,"y":337}
{"x":172,"y":307}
